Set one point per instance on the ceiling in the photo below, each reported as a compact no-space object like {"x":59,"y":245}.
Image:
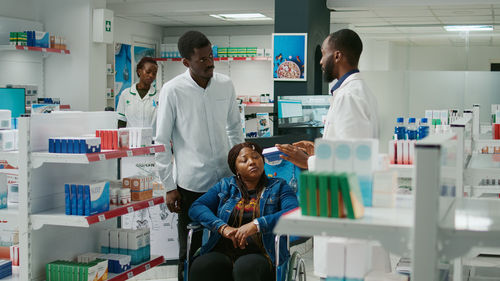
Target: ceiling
{"x":399,"y":21}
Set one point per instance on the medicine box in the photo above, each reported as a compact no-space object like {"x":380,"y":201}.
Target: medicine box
{"x":99,"y":197}
{"x":135,"y":246}
{"x":357,"y":260}
{"x":117,"y":263}
{"x":114,"y":241}
{"x":5,"y":119}
{"x":335,"y":254}
{"x":104,"y":241}
{"x":42,"y":39}
{"x":141,"y":195}
{"x":272,"y":154}
{"x":343,"y":156}
{"x":3,"y":191}
{"x":324,"y":160}
{"x":123,"y":241}
{"x":7,"y":140}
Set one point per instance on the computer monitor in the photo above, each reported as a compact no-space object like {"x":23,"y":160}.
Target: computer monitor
{"x":312,"y":112}
{"x":14,"y":100}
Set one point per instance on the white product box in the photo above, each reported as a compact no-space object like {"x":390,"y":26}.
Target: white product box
{"x":335,"y":257}
{"x":436,"y":114}
{"x":428,"y":115}
{"x":98,"y":272}
{"x":123,"y":241}
{"x":444,"y":117}
{"x":114,"y":241}
{"x":324,"y":158}
{"x":406,"y":152}
{"x":268,"y":52}
{"x":260,"y":52}
{"x":380,"y":258}
{"x":104,"y":241}
{"x":365,"y":156}
{"x":399,"y":152}
{"x":343,"y":156}
{"x":392,"y":152}
{"x":357,"y":259}
{"x":5,"y":121}
{"x":384,"y":188}
{"x":7,"y":140}
{"x":145,"y":137}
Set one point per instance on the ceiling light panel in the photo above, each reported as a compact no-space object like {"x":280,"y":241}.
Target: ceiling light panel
{"x":468,"y":27}
{"x":241,"y":17}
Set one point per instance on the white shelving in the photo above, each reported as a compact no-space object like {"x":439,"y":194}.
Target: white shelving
{"x":10,"y":214}
{"x":404,"y":171}
{"x":33,"y":49}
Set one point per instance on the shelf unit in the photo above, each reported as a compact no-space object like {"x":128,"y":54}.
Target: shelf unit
{"x":223,"y":59}
{"x":10,"y":156}
{"x":46,"y":234}
{"x":34,"y":49}
{"x":10,"y":214}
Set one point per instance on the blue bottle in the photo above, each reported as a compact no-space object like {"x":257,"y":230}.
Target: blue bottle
{"x":400,"y":129}
{"x":412,"y":129}
{"x":423,"y":129}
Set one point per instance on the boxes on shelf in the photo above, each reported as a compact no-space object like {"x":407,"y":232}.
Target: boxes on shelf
{"x":133,"y":137}
{"x":5,"y":119}
{"x":5,"y":268}
{"x":402,"y":152}
{"x":135,"y":243}
{"x":8,"y":140}
{"x":86,"y":198}
{"x":74,"y":145}
{"x":68,"y":270}
{"x":141,"y":187}
{"x":3,"y":191}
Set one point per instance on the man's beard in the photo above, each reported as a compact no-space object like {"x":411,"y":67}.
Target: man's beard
{"x":328,"y":71}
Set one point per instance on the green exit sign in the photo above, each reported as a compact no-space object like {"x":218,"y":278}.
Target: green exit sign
{"x":108,"y":26}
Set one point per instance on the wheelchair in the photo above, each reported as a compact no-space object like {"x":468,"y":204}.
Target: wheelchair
{"x":292,"y":270}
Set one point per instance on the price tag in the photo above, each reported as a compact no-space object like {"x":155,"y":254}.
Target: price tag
{"x":130,"y":209}
{"x":152,"y":150}
{"x":148,"y":266}
{"x":101,"y":217}
{"x":44,"y":50}
{"x":25,"y":48}
{"x":129,"y":153}
{"x":130,"y":274}
{"x":102,"y":157}
{"x":151,"y":203}
{"x":63,"y":52}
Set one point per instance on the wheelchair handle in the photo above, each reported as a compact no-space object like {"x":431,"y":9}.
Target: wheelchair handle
{"x":194,"y":225}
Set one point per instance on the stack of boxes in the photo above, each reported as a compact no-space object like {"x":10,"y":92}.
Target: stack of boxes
{"x":40,"y":39}
{"x":135,"y":243}
{"x":125,"y":138}
{"x":79,"y":145}
{"x":232,"y":52}
{"x":8,"y":137}
{"x":86,"y":199}
{"x":141,"y":187}
{"x":402,"y":152}
{"x":5,"y":268}
{"x":116,"y":263}
{"x":75,"y":271}
{"x":495,"y":121}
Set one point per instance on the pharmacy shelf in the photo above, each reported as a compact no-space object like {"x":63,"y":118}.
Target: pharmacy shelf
{"x":482,"y":166}
{"x":404,"y":171}
{"x":58,"y":217}
{"x":478,"y":190}
{"x":10,"y":156}
{"x":390,"y":226}
{"x":470,"y":222}
{"x":258,"y":104}
{"x":223,"y":59}
{"x":34,"y":49}
{"x":9,"y":214}
{"x":155,"y":261}
{"x":45,"y":157}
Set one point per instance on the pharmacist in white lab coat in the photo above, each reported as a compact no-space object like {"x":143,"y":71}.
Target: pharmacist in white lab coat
{"x":137,"y":105}
{"x":353,"y":108}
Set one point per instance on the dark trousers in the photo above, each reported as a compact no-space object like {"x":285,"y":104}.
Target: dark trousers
{"x":187,"y":199}
{"x":216,"y":266}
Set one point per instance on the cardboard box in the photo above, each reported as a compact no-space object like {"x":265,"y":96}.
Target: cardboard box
{"x":141,"y":195}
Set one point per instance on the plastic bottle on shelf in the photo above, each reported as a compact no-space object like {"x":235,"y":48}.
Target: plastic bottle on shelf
{"x":423,"y":129}
{"x":412,"y":129}
{"x":400,"y":129}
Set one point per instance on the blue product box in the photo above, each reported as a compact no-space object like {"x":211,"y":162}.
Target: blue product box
{"x":42,"y":39}
{"x":76,"y":146}
{"x":147,"y":245}
{"x":93,"y":144}
{"x":365,"y":185}
{"x":99,"y":197}
{"x":118,"y":263}
{"x":69,"y":147}
{"x":74,"y":202}
{"x":67,"y":198}
{"x":272,"y":154}
{"x":64,"y":146}
{"x":51,"y":146}
{"x":80,"y":207}
{"x":86,"y":200}
{"x":57,"y":146}
{"x":82,"y":147}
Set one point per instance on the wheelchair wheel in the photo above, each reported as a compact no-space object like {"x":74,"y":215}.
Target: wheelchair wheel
{"x":296,"y":268}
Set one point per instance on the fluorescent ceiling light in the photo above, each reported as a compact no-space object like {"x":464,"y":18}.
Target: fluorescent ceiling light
{"x":468,"y":27}
{"x":241,"y":17}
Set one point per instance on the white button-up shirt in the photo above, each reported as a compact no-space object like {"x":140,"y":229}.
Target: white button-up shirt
{"x":135,"y":111}
{"x":203,"y":125}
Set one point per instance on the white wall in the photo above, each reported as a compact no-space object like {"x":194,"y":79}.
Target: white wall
{"x":127,"y":31}
{"x":19,"y":9}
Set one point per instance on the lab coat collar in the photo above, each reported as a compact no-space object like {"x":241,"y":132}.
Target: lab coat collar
{"x":151,"y":92}
{"x":188,"y":74}
{"x":341,"y":79}
{"x":353,"y":76}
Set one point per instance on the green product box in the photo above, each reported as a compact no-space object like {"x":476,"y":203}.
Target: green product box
{"x":351,"y":195}
{"x":323,"y":194}
{"x":241,"y":52}
{"x":335,"y":197}
{"x":47,"y":271}
{"x":303,"y":192}
{"x":222,"y":52}
{"x":232,"y":52}
{"x":251,"y":51}
{"x":313,"y":195}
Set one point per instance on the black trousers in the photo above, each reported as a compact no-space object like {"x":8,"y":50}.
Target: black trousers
{"x":187,"y":199}
{"x":216,"y":266}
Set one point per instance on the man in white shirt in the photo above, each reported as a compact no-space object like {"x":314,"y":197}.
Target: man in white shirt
{"x":353,"y":108}
{"x":198,"y":113}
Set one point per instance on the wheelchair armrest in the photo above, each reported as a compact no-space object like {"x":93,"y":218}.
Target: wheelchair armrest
{"x":195,"y":226}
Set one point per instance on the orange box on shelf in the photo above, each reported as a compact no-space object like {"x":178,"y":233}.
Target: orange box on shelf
{"x":142,"y":195}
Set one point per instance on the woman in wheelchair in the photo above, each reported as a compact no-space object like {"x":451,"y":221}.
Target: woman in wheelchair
{"x":241,"y":212}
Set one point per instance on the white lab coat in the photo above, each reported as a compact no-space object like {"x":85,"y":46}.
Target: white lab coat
{"x":135,"y":111}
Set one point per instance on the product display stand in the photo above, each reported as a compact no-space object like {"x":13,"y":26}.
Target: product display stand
{"x":45,"y":233}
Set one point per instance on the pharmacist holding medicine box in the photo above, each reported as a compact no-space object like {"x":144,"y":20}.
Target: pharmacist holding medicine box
{"x":137,"y":105}
{"x":353,"y":108}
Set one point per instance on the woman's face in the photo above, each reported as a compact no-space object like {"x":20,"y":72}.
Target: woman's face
{"x":147,"y":74}
{"x":249,"y":164}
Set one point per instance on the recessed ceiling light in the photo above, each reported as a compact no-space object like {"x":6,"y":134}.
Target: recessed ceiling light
{"x":241,"y":17}
{"x":468,"y":27}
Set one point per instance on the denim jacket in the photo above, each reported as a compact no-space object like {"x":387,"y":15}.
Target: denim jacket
{"x":214,"y":208}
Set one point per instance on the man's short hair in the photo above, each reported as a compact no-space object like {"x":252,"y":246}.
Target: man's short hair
{"x":348,"y":43}
{"x":191,"y":40}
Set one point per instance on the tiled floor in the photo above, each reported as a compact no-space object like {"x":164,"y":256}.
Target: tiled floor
{"x":169,"y":273}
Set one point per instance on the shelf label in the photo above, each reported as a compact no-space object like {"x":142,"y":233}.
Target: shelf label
{"x":151,"y":203}
{"x":152,"y":150}
{"x":130,"y":209}
{"x":102,"y":157}
{"x":101,"y":217}
{"x":44,"y":50}
{"x":25,"y":48}
{"x":130,"y":274}
{"x":148,"y":266}
{"x":63,"y":52}
{"x":129,"y":153}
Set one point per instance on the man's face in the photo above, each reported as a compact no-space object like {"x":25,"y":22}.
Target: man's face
{"x":201,"y":63}
{"x":328,"y":65}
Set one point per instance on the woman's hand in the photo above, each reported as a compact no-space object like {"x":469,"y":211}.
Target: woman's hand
{"x":244,"y":232}
{"x":229,"y":233}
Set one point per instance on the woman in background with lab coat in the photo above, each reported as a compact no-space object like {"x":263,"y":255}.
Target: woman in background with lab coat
{"x":138,"y":104}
